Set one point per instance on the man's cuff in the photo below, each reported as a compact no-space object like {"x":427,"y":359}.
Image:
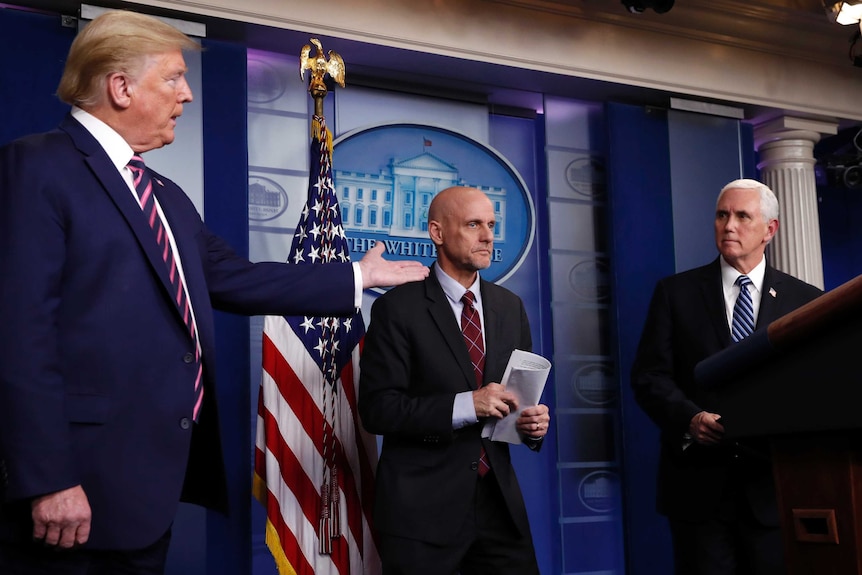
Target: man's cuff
{"x":463,"y":411}
{"x":357,"y":285}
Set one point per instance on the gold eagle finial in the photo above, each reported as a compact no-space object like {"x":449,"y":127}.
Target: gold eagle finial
{"x":320,"y":66}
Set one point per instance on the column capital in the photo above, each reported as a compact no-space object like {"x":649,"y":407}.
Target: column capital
{"x":793,"y":128}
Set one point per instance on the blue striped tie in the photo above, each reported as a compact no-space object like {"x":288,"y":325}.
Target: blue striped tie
{"x":743,"y":311}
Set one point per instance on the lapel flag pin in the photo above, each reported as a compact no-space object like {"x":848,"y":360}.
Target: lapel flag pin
{"x":772,"y":292}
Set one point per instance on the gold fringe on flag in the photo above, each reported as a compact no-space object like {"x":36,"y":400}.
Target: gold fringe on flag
{"x":319,"y":131}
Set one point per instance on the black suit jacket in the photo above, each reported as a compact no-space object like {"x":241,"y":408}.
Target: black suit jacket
{"x":685,"y":324}
{"x":413,"y":364}
{"x":96,"y":378}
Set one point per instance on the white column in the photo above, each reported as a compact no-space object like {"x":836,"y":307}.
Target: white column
{"x":786,"y":147}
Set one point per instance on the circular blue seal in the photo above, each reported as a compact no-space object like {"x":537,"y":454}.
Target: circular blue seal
{"x":385,"y":177}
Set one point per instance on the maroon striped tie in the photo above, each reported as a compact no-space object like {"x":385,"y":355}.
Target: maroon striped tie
{"x":144,"y":190}
{"x":471,"y":328}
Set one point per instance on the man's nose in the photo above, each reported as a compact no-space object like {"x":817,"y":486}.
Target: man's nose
{"x":185,"y":92}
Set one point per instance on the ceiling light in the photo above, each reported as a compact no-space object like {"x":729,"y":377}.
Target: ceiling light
{"x":844,"y":13}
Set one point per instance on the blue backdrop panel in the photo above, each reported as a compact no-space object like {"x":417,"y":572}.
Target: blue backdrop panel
{"x":226,"y":211}
{"x":841,"y":244}
{"x":31,"y":42}
{"x":515,"y":139}
{"x":642,"y":252}
{"x":704,"y":156}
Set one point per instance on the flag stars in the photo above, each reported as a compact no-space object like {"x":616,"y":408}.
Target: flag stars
{"x":297,"y":257}
{"x":320,"y":348}
{"x":332,"y":230}
{"x":317,"y":208}
{"x":315,"y":232}
{"x":314,"y":254}
{"x":307,"y":323}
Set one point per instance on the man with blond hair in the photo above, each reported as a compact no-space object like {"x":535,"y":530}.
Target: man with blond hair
{"x":108,"y":280}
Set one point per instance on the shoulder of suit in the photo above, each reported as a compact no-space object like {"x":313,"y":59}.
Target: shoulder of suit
{"x":410,"y":290}
{"x":490,"y":289}
{"x":708,"y":272}
{"x":778,"y":276}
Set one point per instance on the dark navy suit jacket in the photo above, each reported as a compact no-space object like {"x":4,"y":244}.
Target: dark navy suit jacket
{"x":687,"y":323}
{"x":413,"y":364}
{"x":96,"y":370}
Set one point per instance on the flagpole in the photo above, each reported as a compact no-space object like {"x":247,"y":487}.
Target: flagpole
{"x":329,"y":523}
{"x":314,"y":463}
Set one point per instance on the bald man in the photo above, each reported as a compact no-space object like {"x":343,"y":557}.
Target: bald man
{"x":439,"y":508}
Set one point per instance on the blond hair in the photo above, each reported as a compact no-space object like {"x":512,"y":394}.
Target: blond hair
{"x":116,"y":41}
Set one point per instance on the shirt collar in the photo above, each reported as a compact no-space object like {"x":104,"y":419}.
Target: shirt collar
{"x":454,"y":290}
{"x":729,"y":274}
{"x":115,"y":146}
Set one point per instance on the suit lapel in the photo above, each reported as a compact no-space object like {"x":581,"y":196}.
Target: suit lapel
{"x":769,"y":298}
{"x":169,"y":196}
{"x":713,"y":300}
{"x":447,"y":325}
{"x":492,"y":327}
{"x":118,"y":190}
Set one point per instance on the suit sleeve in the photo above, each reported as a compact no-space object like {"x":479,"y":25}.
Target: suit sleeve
{"x":239,"y":286}
{"x":654,"y":379}
{"x":397,"y":390}
{"x":34,"y":437}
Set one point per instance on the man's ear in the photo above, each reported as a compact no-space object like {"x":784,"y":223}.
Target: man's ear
{"x":120,"y":89}
{"x":771,"y":229}
{"x":435,"y":232}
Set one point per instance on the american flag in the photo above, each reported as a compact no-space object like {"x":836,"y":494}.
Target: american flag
{"x":314,"y":464}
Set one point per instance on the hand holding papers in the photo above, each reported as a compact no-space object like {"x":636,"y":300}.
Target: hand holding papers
{"x":525,"y":376}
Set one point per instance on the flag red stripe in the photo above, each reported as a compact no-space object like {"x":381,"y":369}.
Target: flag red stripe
{"x":365,"y":469}
{"x":289,"y":544}
{"x":311,"y":419}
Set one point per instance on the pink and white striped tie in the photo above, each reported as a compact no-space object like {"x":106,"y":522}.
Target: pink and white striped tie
{"x":144,"y":189}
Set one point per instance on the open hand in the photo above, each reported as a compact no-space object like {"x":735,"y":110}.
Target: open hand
{"x":380,"y":272}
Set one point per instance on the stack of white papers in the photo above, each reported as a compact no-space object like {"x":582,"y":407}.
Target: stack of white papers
{"x":525,"y":376}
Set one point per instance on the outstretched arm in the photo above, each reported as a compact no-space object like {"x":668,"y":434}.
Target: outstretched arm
{"x":379,"y":272}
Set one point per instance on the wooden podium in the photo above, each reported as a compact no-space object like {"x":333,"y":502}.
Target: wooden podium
{"x":799,"y":382}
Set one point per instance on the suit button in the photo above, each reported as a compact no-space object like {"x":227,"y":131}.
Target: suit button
{"x":474,"y":466}
{"x":185,"y":423}
{"x":189,"y":357}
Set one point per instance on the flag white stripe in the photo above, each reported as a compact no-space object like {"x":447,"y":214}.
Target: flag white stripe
{"x":298,"y":441}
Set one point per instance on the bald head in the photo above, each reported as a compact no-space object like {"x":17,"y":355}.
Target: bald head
{"x":461,"y":224}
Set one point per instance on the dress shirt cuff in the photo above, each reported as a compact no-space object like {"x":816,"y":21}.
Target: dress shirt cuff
{"x":463,"y":412}
{"x":357,"y":285}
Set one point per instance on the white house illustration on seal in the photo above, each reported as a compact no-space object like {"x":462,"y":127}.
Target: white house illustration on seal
{"x":396,"y":200}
